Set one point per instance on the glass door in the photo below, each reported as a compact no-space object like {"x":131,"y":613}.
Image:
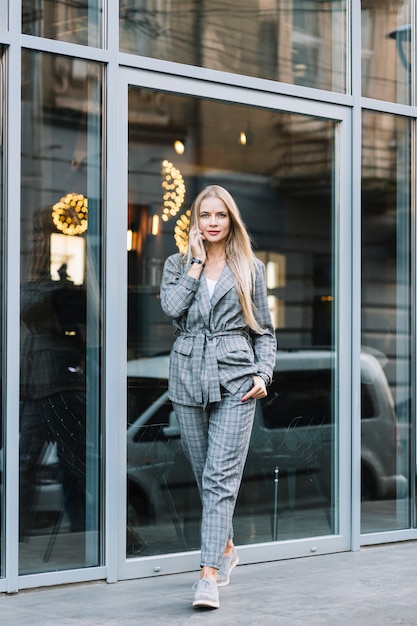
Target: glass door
{"x":281,"y":168}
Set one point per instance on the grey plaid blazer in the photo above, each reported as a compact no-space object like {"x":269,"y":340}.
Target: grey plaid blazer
{"x":214,"y":346}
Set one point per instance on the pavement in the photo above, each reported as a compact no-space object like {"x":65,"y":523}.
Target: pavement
{"x":375,"y":586}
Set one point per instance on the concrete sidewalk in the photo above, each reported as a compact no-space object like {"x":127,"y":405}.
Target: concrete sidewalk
{"x":376,"y":586}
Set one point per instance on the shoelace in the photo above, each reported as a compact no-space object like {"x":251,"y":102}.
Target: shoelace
{"x":205,"y":583}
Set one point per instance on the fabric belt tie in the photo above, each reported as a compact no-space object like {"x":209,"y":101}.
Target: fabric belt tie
{"x":206,"y":383}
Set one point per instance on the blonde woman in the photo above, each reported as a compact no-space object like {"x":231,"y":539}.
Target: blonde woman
{"x":221,"y":363}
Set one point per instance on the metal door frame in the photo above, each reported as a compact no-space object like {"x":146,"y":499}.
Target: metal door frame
{"x":170,"y":82}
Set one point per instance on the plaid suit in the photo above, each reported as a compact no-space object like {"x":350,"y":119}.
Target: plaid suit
{"x":212,"y":364}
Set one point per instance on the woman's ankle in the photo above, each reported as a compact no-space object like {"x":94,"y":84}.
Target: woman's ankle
{"x":208,"y":572}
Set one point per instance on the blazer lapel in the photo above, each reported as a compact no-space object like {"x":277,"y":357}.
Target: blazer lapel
{"x":224,"y":284}
{"x":203,"y":299}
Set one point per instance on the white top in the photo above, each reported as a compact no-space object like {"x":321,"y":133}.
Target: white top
{"x":210,"y":286}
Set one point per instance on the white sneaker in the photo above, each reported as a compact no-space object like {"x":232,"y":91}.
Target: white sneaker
{"x":227,"y":564}
{"x":206,"y":593}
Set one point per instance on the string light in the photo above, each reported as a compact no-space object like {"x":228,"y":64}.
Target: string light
{"x":174,"y":186}
{"x":70,"y":214}
{"x":181,"y":232}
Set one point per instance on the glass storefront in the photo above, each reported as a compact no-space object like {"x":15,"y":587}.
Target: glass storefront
{"x":60,"y":425}
{"x":386,"y":322}
{"x":387,"y":62}
{"x":280,"y":169}
{"x":114,"y":114}
{"x":301,"y":42}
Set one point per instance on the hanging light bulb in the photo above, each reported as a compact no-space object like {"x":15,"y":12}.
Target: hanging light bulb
{"x":179,"y":146}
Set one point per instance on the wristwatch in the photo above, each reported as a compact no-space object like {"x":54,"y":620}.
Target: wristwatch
{"x":199,"y":261}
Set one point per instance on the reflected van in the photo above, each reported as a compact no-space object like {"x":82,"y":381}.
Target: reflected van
{"x":294,"y":431}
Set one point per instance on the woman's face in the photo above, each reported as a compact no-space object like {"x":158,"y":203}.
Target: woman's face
{"x":214,"y":220}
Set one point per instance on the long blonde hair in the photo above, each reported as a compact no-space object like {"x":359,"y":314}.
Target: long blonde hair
{"x":238,"y":249}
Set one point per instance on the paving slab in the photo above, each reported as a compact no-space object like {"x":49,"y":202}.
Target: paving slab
{"x":376,"y":586}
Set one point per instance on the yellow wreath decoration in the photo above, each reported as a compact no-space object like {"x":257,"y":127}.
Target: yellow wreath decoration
{"x":70,"y":214}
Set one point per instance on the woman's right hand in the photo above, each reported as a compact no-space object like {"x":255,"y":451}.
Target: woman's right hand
{"x":196,"y":243}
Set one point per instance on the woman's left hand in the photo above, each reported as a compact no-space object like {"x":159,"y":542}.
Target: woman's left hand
{"x":258,"y":390}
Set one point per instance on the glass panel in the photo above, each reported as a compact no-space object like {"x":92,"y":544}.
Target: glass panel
{"x":386,"y":323}
{"x":280,"y":169}
{"x":2,"y":351}
{"x":301,"y":42}
{"x":75,"y":22}
{"x":61,"y":313}
{"x":386,"y":50}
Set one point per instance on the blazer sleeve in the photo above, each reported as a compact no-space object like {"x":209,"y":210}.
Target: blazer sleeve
{"x":177,"y":288}
{"x":265,"y":344}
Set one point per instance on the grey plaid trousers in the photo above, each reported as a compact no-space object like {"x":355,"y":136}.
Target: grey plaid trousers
{"x":216,"y":441}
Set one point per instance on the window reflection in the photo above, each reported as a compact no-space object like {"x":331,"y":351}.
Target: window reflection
{"x":298,"y":41}
{"x":386,"y":319}
{"x":386,"y":51}
{"x":75,"y":22}
{"x":275,"y":268}
{"x":60,"y":314}
{"x":67,"y":256}
{"x":282,"y":178}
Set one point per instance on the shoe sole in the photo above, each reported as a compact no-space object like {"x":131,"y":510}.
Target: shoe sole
{"x":206,"y":604}
{"x":226,"y":581}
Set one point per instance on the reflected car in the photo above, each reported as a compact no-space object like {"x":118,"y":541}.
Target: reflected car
{"x":302,"y":390}
{"x":294,"y":430}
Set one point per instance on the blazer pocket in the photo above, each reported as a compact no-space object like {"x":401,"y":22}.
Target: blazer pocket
{"x":183,"y":345}
{"x":235,"y":350}
{"x":180,"y":382}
